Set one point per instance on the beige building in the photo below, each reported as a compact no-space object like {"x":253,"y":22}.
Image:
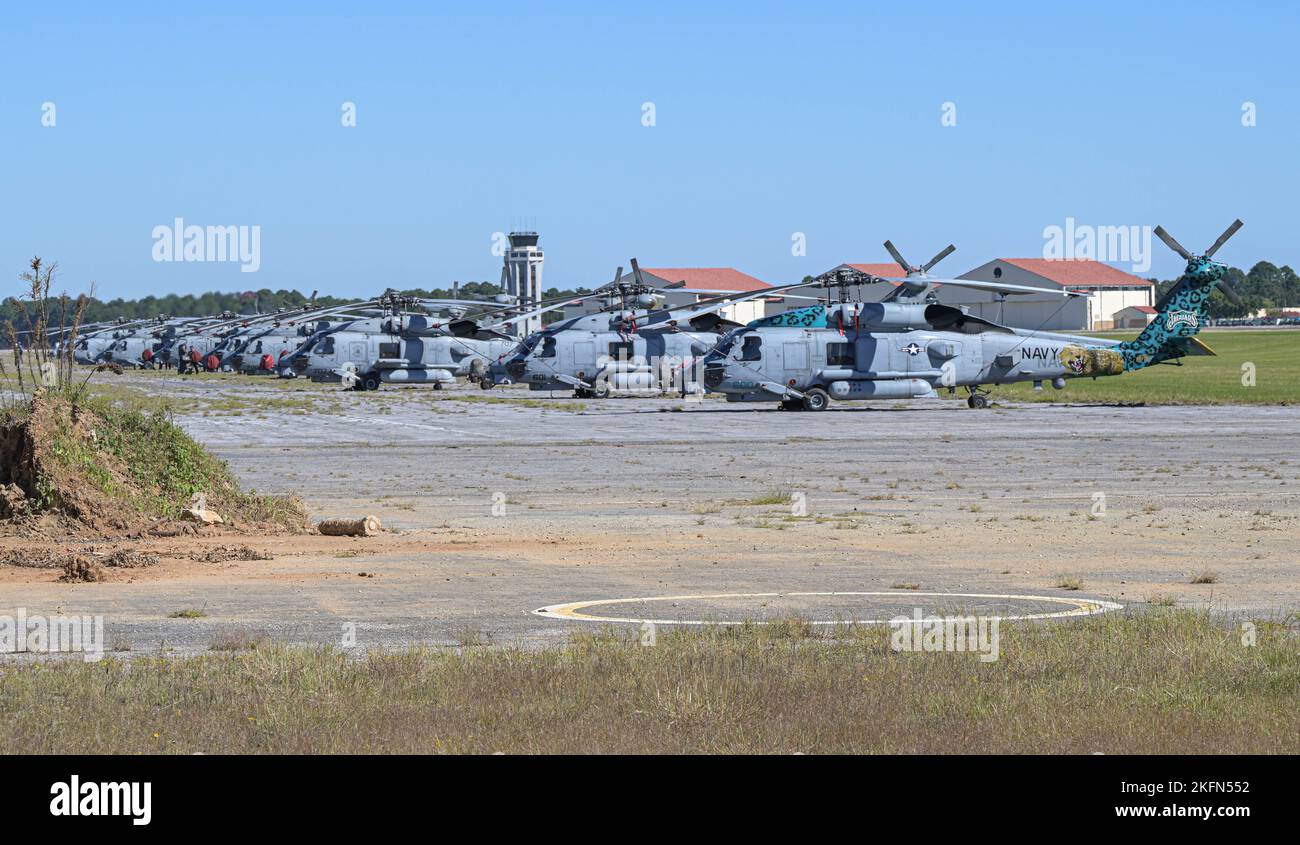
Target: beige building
{"x":1134,"y":317}
{"x":1108,"y":290}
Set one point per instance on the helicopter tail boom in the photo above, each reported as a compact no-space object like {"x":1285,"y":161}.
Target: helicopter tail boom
{"x":1179,"y":316}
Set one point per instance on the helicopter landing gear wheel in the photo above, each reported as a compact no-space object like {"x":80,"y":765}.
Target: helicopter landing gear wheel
{"x":816,"y":399}
{"x":976,"y":399}
{"x":370,"y":382}
{"x":486,"y":383}
{"x":601,"y":390}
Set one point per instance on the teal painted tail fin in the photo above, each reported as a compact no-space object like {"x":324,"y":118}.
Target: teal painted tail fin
{"x":1182,"y":311}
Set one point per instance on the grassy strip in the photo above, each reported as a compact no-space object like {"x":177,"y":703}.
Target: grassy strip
{"x":1163,"y":681}
{"x":1204,"y":380}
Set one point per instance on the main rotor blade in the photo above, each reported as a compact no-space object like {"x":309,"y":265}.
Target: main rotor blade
{"x":673,"y":318}
{"x":898,"y":257}
{"x":636,"y":271}
{"x":1223,"y":239}
{"x":538,"y":311}
{"x":975,"y":284}
{"x":1226,"y":290}
{"x":1172,"y":244}
{"x":948,"y":250}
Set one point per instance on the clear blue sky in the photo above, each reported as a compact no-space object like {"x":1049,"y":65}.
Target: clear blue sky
{"x":771,"y":119}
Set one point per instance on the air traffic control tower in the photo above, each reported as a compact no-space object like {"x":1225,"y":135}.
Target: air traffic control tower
{"x":522,"y":276}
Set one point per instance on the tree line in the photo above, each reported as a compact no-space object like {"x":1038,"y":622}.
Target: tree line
{"x":265,"y":301}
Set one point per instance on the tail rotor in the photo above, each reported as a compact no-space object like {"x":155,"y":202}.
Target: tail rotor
{"x":1199,"y":264}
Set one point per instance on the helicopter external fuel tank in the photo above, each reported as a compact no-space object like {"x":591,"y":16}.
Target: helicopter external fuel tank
{"x":903,"y":388}
{"x":416,"y":376}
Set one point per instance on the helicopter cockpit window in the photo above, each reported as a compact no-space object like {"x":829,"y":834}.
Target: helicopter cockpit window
{"x":620,"y":351}
{"x":325,"y":347}
{"x":548,"y":348}
{"x":753,"y":349}
{"x":390,"y":350}
{"x":840,"y":354}
{"x":724,"y":345}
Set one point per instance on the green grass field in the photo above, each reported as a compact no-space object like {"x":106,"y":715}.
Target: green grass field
{"x":1163,"y":681}
{"x":1217,"y":380}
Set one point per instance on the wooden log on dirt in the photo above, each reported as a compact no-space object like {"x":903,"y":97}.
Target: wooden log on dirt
{"x":366,"y":526}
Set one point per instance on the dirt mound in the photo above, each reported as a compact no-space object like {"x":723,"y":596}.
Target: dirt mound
{"x":221,"y":554}
{"x":95,"y":467}
{"x":92,"y":567}
{"x":81,"y":568}
{"x":84,"y":564}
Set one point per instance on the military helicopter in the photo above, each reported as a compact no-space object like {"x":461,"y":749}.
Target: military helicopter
{"x":149,"y":344}
{"x":632,"y":344}
{"x":162,"y":341}
{"x":408,"y":348}
{"x":93,"y":339}
{"x":908,"y":344}
{"x":257,"y":346}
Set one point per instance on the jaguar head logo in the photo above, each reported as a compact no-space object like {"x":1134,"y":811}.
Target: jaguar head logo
{"x":1074,"y":359}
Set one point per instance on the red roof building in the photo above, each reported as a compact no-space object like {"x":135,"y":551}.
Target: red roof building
{"x":888,"y":270}
{"x":1079,"y":273}
{"x":704,"y":278}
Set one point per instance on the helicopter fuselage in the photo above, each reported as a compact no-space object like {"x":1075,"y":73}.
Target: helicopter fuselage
{"x":375,"y":358}
{"x":591,"y":361}
{"x":881,"y":351}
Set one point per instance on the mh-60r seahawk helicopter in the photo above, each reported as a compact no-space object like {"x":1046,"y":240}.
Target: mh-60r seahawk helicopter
{"x":908,"y":344}
{"x":633,"y":344}
{"x":401,"y":346}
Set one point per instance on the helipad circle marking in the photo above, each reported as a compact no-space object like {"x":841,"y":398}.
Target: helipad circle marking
{"x":571,"y":611}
